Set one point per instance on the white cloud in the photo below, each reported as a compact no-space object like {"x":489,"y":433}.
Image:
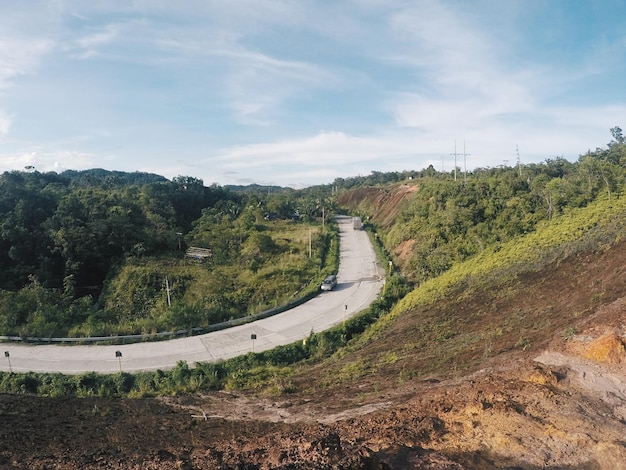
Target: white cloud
{"x":51,"y":161}
{"x":325,"y":148}
{"x":394,"y":83}
{"x":466,"y":75}
{"x":255,"y":84}
{"x":87,"y":46}
{"x":5,"y":123}
{"x":19,"y":56}
{"x":105,"y":36}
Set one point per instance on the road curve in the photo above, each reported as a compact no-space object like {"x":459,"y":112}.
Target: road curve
{"x":360,"y":280}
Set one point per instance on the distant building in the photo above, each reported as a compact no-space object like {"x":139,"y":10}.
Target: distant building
{"x":198,"y":254}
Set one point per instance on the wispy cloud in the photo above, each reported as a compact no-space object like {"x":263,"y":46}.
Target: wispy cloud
{"x":462,"y":75}
{"x":325,"y":148}
{"x":242,"y":88}
{"x":19,"y":56}
{"x":88,"y":45}
{"x":5,"y":123}
{"x":254,"y":83}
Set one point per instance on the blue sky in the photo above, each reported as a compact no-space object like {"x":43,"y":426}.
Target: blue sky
{"x":301,"y":92}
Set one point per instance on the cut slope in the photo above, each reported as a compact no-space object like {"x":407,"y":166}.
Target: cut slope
{"x":381,"y":204}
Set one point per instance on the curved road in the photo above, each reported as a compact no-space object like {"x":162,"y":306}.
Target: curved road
{"x":360,"y":280}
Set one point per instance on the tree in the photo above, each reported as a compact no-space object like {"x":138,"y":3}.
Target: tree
{"x":618,"y":138}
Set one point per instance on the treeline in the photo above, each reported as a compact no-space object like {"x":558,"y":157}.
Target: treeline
{"x":66,"y":230}
{"x":449,"y":220}
{"x":96,"y":252}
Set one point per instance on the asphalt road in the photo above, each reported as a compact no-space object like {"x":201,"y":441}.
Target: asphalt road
{"x":360,"y":280}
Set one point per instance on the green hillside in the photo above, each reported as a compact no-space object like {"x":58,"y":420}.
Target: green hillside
{"x":430,"y":221}
{"x":99,"y":253}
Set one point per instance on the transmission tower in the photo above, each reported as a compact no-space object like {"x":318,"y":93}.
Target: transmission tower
{"x":465,"y":155}
{"x":455,"y":155}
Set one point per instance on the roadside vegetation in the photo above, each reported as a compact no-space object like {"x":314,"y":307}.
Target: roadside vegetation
{"x":465,"y":236}
{"x":271,"y":369}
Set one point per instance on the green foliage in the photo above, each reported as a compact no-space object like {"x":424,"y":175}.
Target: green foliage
{"x":69,"y":240}
{"x":81,"y":223}
{"x":65,"y":237}
{"x":37,"y":311}
{"x":269,"y":368}
{"x":600,"y":224}
{"x":447,"y":221}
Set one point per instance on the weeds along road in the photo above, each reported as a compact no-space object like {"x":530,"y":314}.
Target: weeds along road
{"x":360,"y":280}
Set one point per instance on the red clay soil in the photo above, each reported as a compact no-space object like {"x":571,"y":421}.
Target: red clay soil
{"x":387,"y":202}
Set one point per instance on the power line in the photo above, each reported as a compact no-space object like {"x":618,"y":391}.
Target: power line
{"x":465,"y":155}
{"x":457,"y":154}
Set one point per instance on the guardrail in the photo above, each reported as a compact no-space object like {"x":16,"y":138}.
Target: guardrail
{"x":125,"y":339}
{"x":164,"y":335}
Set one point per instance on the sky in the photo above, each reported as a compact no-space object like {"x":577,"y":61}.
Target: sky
{"x":301,"y":92}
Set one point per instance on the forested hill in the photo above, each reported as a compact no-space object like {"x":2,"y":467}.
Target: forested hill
{"x":67,"y":229}
{"x":111,"y":178}
{"x":431,"y":220}
{"x":98,"y":252}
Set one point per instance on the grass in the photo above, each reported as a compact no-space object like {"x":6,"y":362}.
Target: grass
{"x":148,"y":295}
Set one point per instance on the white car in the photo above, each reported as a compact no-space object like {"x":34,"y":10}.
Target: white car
{"x":329,"y":283}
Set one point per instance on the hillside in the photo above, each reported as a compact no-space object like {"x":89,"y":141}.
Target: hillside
{"x":380,"y":204}
{"x":526,"y":372}
{"x":98,"y":253}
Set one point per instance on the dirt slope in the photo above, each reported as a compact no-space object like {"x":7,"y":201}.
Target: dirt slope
{"x":386,"y":202}
{"x":528,"y":375}
{"x":382,"y":206}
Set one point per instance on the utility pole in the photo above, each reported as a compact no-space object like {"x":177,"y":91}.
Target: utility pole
{"x":455,"y":155}
{"x":465,"y":155}
{"x":180,"y":234}
{"x":167,"y":288}
{"x":519,"y":161}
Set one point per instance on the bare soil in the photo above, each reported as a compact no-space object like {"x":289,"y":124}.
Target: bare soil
{"x":528,"y":375}
{"x":386,"y":201}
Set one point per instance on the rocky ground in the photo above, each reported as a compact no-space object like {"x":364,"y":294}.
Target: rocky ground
{"x":556,"y":399}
